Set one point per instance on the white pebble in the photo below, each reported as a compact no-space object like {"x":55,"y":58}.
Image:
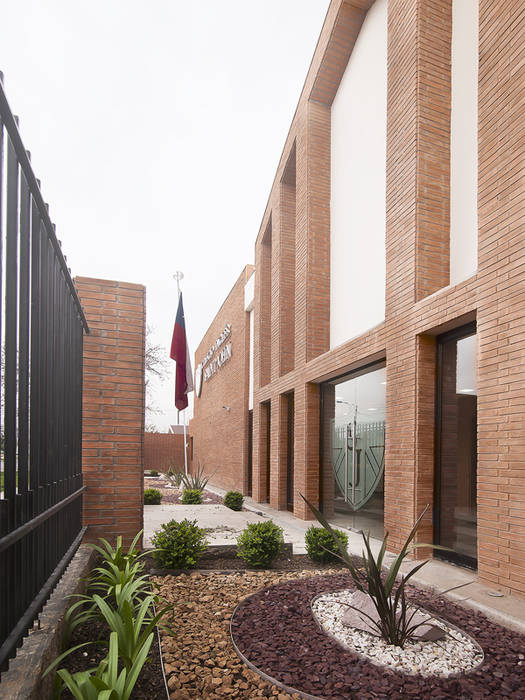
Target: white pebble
{"x":456,"y":653}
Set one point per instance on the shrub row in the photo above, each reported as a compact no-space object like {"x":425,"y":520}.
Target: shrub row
{"x":179,"y":544}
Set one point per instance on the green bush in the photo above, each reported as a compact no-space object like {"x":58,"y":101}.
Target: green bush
{"x":191,"y":497}
{"x":321,"y":545}
{"x":179,"y":544}
{"x":152,"y":497}
{"x":153,"y":472}
{"x":260,"y":543}
{"x":234,"y":500}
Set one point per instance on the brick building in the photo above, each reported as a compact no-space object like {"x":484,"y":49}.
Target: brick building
{"x":388,"y":312}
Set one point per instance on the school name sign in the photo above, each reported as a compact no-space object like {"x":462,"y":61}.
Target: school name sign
{"x":218,"y":354}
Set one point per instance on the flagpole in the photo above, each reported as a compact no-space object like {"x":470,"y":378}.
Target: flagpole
{"x":178,"y":276}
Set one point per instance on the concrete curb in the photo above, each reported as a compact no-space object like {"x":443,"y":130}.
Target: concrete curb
{"x":23,"y":679}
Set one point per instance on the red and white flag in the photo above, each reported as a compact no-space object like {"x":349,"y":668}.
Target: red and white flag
{"x":180,"y":352}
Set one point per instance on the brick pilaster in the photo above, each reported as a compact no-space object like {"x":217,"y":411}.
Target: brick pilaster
{"x":113,"y":407}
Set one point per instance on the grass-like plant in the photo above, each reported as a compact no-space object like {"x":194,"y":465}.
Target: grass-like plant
{"x":174,"y":476}
{"x":152,"y":497}
{"x":260,"y":543}
{"x":396,"y":623}
{"x":233,"y":500}
{"x":191,"y":497}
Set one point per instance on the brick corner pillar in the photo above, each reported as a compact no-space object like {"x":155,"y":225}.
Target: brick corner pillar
{"x":113,"y":408}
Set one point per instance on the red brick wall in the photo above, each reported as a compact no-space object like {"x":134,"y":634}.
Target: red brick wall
{"x":419,"y":303}
{"x":163,"y":450}
{"x":227,"y":387}
{"x":113,"y":407}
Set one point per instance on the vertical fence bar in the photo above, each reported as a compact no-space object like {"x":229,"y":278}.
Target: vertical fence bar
{"x":23,"y":341}
{"x":11,"y":324}
{"x":43,"y":325}
{"x":35,"y":413}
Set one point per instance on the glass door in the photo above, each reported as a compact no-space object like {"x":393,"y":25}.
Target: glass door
{"x":356,"y":434}
{"x":455,"y":515}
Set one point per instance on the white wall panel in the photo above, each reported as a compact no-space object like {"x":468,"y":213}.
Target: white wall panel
{"x":464,"y":141}
{"x":358,"y":184}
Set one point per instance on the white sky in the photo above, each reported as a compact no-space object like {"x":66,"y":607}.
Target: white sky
{"x":156,"y":128}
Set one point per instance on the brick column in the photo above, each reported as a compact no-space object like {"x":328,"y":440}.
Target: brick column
{"x":306,"y":448}
{"x":278,"y":451}
{"x":260,"y":452}
{"x":113,"y":407}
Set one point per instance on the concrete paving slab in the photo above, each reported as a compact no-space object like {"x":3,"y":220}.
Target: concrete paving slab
{"x":222,"y":524}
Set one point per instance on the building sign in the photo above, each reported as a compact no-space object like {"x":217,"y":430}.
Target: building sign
{"x":219,"y":353}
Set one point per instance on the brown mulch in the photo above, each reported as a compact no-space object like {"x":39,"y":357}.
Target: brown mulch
{"x":199,"y":658}
{"x":226,"y":560}
{"x":276,"y":631}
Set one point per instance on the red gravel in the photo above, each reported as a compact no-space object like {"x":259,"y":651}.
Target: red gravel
{"x":276,"y":631}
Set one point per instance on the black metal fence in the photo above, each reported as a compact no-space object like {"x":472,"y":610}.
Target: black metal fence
{"x":41,"y":327}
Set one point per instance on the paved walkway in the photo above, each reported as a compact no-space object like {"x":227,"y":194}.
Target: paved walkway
{"x":225,"y":525}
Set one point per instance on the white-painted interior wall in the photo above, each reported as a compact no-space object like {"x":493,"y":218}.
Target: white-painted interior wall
{"x":464,"y":141}
{"x":358,"y":185}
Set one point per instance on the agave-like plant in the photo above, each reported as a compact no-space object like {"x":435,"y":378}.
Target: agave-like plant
{"x":396,"y":623}
{"x":196,"y":481}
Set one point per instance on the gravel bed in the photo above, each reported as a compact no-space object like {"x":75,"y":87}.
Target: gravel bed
{"x":199,"y":658}
{"x":276,"y":631}
{"x":456,"y":653}
{"x":172,"y":495}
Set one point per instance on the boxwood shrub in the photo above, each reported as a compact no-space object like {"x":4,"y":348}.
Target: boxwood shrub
{"x":191,"y":497}
{"x":152,"y":497}
{"x":234,"y":500}
{"x":321,"y":546}
{"x":260,"y":543}
{"x":179,"y":544}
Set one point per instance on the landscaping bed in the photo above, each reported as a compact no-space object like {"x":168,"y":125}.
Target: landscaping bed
{"x":276,"y":631}
{"x":172,"y":496}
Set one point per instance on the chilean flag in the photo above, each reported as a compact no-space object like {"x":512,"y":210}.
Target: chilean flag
{"x":180,"y":352}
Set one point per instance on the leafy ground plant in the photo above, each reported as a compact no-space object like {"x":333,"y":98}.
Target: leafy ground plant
{"x":321,"y":545}
{"x":120,"y":595}
{"x":179,"y":544}
{"x":260,"y":543}
{"x":233,"y":500}
{"x":396,"y":620}
{"x":105,"y":682}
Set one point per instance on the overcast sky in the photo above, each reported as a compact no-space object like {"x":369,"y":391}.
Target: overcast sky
{"x":156,"y":127}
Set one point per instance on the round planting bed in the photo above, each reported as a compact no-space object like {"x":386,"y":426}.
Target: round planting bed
{"x":275,"y":632}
